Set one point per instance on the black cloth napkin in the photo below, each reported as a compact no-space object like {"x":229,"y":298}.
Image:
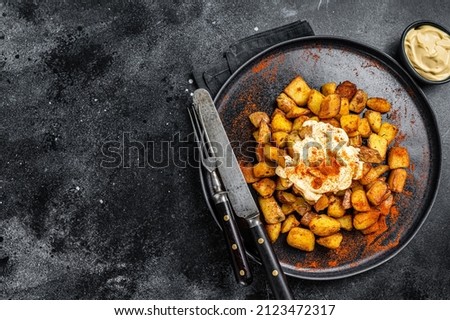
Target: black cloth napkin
{"x":214,"y":76}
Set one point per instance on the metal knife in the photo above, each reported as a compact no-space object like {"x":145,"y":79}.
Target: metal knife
{"x":238,"y":192}
{"x":235,"y":244}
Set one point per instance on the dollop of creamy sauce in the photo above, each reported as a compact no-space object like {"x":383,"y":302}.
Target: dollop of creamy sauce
{"x":323,"y":162}
{"x":428,"y":50}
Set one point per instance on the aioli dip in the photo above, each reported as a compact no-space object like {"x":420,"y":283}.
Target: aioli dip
{"x":428,"y":50}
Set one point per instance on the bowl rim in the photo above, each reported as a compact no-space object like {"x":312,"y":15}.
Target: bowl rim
{"x":405,"y":58}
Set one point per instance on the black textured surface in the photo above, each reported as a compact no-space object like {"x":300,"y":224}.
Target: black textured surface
{"x":75,"y":76}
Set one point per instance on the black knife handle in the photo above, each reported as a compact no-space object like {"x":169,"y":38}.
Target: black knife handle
{"x":275,"y":275}
{"x":235,"y":244}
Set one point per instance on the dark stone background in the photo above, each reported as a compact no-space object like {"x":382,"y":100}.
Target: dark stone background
{"x":76,"y":74}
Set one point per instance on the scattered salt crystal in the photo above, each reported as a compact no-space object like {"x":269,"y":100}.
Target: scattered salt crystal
{"x":256,"y":29}
{"x":78,"y":188}
{"x":213,"y":22}
{"x":49,"y":102}
{"x":192,"y":94}
{"x":191,"y":81}
{"x":101,"y":201}
{"x":187,"y":90}
{"x":167,"y":123}
{"x":95,"y":99}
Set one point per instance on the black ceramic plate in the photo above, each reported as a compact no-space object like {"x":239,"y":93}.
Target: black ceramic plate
{"x":255,"y":86}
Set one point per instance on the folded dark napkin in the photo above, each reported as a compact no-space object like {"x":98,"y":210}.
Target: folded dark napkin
{"x":214,"y":76}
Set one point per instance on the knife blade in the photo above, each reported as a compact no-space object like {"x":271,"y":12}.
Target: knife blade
{"x":239,"y":194}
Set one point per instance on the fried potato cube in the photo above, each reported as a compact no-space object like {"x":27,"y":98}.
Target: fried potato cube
{"x":263,"y":133}
{"x":397,"y":180}
{"x":280,"y":123}
{"x":398,"y":157}
{"x":298,"y":123}
{"x":388,"y":131}
{"x":286,"y":197}
{"x":283,"y":184}
{"x":331,"y":242}
{"x":346,"y":89}
{"x":285,"y":103}
{"x":257,"y":117}
{"x":279,"y":138}
{"x":330,"y":106}
{"x":367,"y":154}
{"x":323,"y":225}
{"x":356,"y":185}
{"x":346,"y":201}
{"x":376,"y":193}
{"x":358,"y":102}
{"x":346,"y":222}
{"x":301,"y":206}
{"x":356,"y":140}
{"x":335,"y":208}
{"x":287,"y":208}
{"x":374,"y":173}
{"x":273,"y":231}
{"x":373,"y":228}
{"x":298,"y":90}
{"x":297,"y":112}
{"x":363,"y":220}
{"x":364,"y":128}
{"x":335,"y":123}
{"x":265,"y":187}
{"x":350,"y":122}
{"x":374,"y":119}
{"x":271,"y":210}
{"x":307,"y":217}
{"x":386,"y":204}
{"x":378,"y":143}
{"x":248,"y":174}
{"x":359,"y":201}
{"x":263,"y":170}
{"x":290,"y":222}
{"x":344,"y":110}
{"x":321,"y":204}
{"x":315,"y":101}
{"x":301,"y":238}
{"x":379,"y":104}
{"x":271,"y":153}
{"x":328,"y":88}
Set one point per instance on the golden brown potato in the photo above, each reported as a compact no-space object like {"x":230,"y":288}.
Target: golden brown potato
{"x":378,"y":104}
{"x":346,"y":201}
{"x":363,"y":220}
{"x":287,"y":208}
{"x":280,"y":123}
{"x":378,"y":143}
{"x":344,"y":108}
{"x":306,"y":218}
{"x":356,"y":185}
{"x":346,"y":89}
{"x":388,"y":131}
{"x":358,"y":102}
{"x":364,"y":128}
{"x":359,"y":201}
{"x":356,"y":140}
{"x":263,"y":170}
{"x":279,"y":138}
{"x":321,"y":204}
{"x":328,"y":88}
{"x":331,"y":242}
{"x":315,"y":101}
{"x":346,"y":222}
{"x":283,"y":184}
{"x":263,"y":133}
{"x":373,"y":228}
{"x":301,"y":206}
{"x":273,"y":231}
{"x":271,"y":153}
{"x":386,"y":204}
{"x":298,"y":123}
{"x":301,"y":238}
{"x":349,"y":122}
{"x":285,"y":197}
{"x":257,"y":117}
{"x":330,"y":106}
{"x":248,"y":174}
{"x":374,"y":119}
{"x":398,"y":157}
{"x":374,"y":173}
{"x":397,"y":180}
{"x":298,"y":90}
{"x":333,"y":121}
{"x":271,"y":210}
{"x":290,"y":222}
{"x":323,"y":225}
{"x":265,"y":187}
{"x":376,"y":193}
{"x":335,"y":208}
{"x":296,"y":112}
{"x":285,"y":103}
{"x":367,"y":154}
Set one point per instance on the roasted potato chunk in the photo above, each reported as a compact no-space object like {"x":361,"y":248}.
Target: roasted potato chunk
{"x":359,"y":201}
{"x":321,"y":204}
{"x":279,"y":138}
{"x":398,"y":157}
{"x":397,"y":180}
{"x":367,"y":154}
{"x":297,"y":112}
{"x":290,"y":222}
{"x":376,"y":193}
{"x":335,"y":208}
{"x":271,"y":153}
{"x":374,"y":173}
{"x":386,"y":204}
{"x":328,"y":88}
{"x":301,"y":238}
{"x":364,"y":128}
{"x":265,"y":187}
{"x":285,"y":103}
{"x":257,"y":117}
{"x":285,"y":197}
{"x":379,"y":104}
{"x":364,"y":220}
{"x":298,"y":90}
{"x":273,"y":231}
{"x":344,"y":108}
{"x":373,"y":228}
{"x":301,"y":206}
{"x":307,"y":217}
{"x":323,"y":225}
{"x":283,"y":184}
{"x":358,"y":102}
{"x":378,"y":143}
{"x":287,"y":208}
{"x":346,"y":222}
{"x":315,"y":101}
{"x":263,"y":133}
{"x":350,"y":122}
{"x":271,"y":210}
{"x":330,"y":106}
{"x":388,"y":131}
{"x":331,"y":242}
{"x":374,"y":119}
{"x":263,"y":170}
{"x":346,"y":89}
{"x":248,"y":174}
{"x":298,"y":123}
{"x":281,"y":123}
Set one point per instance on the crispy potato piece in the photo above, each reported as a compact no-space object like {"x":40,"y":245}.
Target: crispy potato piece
{"x":397,"y":180}
{"x":285,"y":103}
{"x":265,"y":187}
{"x":331,"y":242}
{"x":271,"y":153}
{"x":271,"y":210}
{"x":386,"y":204}
{"x":263,"y":133}
{"x":335,"y":208}
{"x":356,"y":140}
{"x":297,"y":112}
{"x":287,"y":208}
{"x":346,"y":222}
{"x":356,"y":185}
{"x":378,"y":143}
{"x":376,"y":193}
{"x":359,"y":201}
{"x":350,"y":122}
{"x":368,"y":186}
{"x":366,"y":168}
{"x":301,"y":206}
{"x":373,"y":228}
{"x":248,"y":174}
{"x":306,"y":218}
{"x":321,"y":204}
{"x":257,"y":117}
{"x":323,"y":225}
{"x":388,"y":131}
{"x":298,"y":90}
{"x":363,"y":220}
{"x":344,"y":107}
{"x":330,"y":106}
{"x":364,"y":128}
{"x":290,"y":222}
{"x":285,"y":197}
{"x":283,"y":184}
{"x":367,"y":154}
{"x":358,"y":102}
{"x":333,"y":121}
{"x":398,"y":157}
{"x":346,"y":201}
{"x":374,"y":173}
{"x":315,"y":101}
{"x":273,"y":231}
{"x":279,"y":138}
{"x":328,"y":88}
{"x":263,"y":170}
{"x":346,"y":89}
{"x":281,"y":123}
{"x":379,"y":104}
{"x":374,"y":119}
{"x":301,"y":238}
{"x":298,"y":123}
{"x":259,"y":152}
